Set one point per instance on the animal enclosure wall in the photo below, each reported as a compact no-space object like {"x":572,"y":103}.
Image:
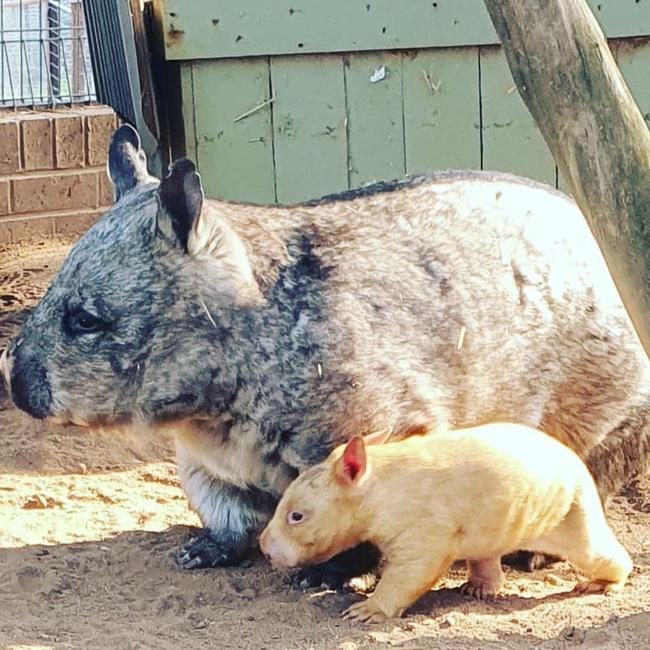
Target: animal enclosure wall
{"x":280,"y":102}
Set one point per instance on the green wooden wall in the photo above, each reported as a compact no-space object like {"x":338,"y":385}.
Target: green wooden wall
{"x":296,"y":123}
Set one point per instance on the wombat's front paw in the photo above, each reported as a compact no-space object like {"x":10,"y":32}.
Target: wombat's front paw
{"x":206,"y":550}
{"x":321,"y":575}
{"x":367,"y":611}
{"x":528,"y":561}
{"x":334,"y":573}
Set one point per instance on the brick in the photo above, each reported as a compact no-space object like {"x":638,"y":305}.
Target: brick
{"x":9,"y":147}
{"x":76,"y":224}
{"x":99,"y":129}
{"x":106,"y":197}
{"x":5,"y":233}
{"x":5,"y":207}
{"x":37,"y":142}
{"x":25,"y":229}
{"x":69,"y":141}
{"x":55,"y":192}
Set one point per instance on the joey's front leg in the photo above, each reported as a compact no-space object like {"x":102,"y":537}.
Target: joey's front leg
{"x":231,"y":517}
{"x":403,"y":581}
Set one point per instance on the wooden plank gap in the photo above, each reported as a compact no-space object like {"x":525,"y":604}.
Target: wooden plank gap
{"x":272,"y":111}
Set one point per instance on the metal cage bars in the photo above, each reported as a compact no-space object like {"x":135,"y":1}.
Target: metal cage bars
{"x":44,"y":58}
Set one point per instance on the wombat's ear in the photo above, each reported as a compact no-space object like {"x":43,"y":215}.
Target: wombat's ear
{"x":351,"y":467}
{"x":378,"y":437}
{"x":181,"y":199}
{"x":127,"y":163}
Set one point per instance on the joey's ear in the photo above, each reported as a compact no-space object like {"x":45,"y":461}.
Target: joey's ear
{"x":127,"y":163}
{"x":181,"y":199}
{"x":352,"y":464}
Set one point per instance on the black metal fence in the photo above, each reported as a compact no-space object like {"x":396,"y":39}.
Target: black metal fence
{"x":44,"y":58}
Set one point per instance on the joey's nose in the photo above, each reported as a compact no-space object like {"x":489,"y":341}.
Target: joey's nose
{"x":268,"y":546}
{"x":263,"y":541}
{"x":275,"y":551}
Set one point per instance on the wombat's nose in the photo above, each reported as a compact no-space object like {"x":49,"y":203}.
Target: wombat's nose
{"x":272,"y":549}
{"x":267,"y":545}
{"x":263,"y":539}
{"x":27,"y":380}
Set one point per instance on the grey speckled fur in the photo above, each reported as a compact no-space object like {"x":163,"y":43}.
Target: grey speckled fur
{"x":263,"y":336}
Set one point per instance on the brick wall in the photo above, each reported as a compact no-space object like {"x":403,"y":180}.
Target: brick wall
{"x":53,"y":171}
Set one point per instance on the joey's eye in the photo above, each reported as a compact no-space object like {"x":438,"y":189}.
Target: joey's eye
{"x":295,"y":517}
{"x":81,"y":322}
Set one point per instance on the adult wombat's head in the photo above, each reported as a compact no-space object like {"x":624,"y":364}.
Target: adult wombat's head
{"x":124,"y":330}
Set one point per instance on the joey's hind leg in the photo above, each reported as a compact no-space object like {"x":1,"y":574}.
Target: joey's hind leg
{"x":586,"y":540}
{"x":231,"y":516}
{"x":485,"y":578}
{"x":606,"y":563}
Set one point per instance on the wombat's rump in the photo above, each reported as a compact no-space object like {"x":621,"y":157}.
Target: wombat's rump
{"x":429,"y":500}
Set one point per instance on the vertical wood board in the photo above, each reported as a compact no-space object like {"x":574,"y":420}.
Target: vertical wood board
{"x":309,"y":125}
{"x":187,"y":108}
{"x":441,"y":110}
{"x":235,"y":153}
{"x":375,"y":119}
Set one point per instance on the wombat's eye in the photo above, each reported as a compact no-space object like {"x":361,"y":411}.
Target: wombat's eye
{"x":81,"y":322}
{"x":295,"y":517}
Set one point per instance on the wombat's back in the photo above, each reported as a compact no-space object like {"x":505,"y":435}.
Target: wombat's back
{"x":488,"y":285}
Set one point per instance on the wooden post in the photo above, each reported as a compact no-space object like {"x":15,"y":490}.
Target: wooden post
{"x":567,"y":77}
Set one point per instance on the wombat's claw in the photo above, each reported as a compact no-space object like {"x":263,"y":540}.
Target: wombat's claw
{"x":205,"y":550}
{"x":319,"y":577}
{"x":334,"y":573}
{"x":366,"y":611}
{"x":528,"y":561}
{"x":596,"y":587}
{"x":479,"y":590}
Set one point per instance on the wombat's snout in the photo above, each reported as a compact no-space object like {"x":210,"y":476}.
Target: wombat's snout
{"x":275,"y":551}
{"x":26,"y":380}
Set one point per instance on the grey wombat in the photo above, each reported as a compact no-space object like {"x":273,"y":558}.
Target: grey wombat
{"x":262,"y":337}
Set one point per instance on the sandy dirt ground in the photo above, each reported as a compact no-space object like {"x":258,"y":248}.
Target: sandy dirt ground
{"x":88,"y":521}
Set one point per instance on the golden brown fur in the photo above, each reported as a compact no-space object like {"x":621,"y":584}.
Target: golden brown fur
{"x":428,"y":500}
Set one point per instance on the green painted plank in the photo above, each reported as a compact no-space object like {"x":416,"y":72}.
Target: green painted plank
{"x":511,"y":140}
{"x":238,"y":28}
{"x":235,"y":156}
{"x":621,"y":18}
{"x":187,"y":109}
{"x":375,"y":121}
{"x":441,"y":110}
{"x":309,"y":126}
